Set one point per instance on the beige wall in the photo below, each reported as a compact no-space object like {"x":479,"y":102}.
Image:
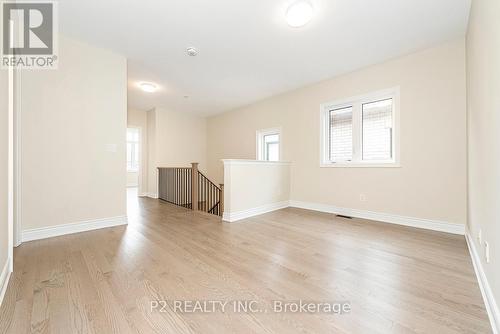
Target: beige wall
{"x":74,"y":123}
{"x":139,"y":119}
{"x":4,"y":232}
{"x":175,"y":139}
{"x":431,"y":184}
{"x":483,"y":74}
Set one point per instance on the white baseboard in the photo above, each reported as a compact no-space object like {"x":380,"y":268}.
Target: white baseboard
{"x":427,"y":224}
{"x":151,"y":195}
{"x":54,"y":231}
{"x":489,"y":300}
{"x":383,"y":217}
{"x":235,"y":216}
{"x":4,"y":279}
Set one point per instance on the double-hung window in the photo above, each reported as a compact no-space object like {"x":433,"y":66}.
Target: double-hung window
{"x":361,"y":131}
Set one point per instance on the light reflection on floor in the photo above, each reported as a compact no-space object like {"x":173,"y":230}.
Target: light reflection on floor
{"x":133,"y":206}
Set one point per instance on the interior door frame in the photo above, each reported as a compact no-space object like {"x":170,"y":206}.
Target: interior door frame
{"x":10,"y":166}
{"x":17,"y":175}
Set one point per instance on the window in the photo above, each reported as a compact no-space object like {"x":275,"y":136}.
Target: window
{"x":132,"y":149}
{"x":268,"y":144}
{"x":340,"y":134}
{"x":361,"y":131}
{"x":377,"y":130}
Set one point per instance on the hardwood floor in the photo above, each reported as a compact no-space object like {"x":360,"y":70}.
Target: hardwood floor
{"x":395,"y":279}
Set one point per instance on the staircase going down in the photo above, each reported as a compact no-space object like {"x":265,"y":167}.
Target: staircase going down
{"x":190,"y":188}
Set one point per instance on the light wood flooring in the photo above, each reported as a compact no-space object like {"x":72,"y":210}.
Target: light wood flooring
{"x":396,"y":279}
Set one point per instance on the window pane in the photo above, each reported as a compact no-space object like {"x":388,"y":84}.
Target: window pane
{"x":132,"y":135}
{"x":341,"y":134}
{"x":377,"y":130}
{"x":273,"y":152}
{"x":271,"y":138}
{"x":129,"y":156}
{"x":269,"y":146}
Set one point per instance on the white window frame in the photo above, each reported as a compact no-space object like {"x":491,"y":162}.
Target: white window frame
{"x":260,"y":149}
{"x":357,"y":132}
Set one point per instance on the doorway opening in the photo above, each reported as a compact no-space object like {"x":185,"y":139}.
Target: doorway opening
{"x":133,"y":158}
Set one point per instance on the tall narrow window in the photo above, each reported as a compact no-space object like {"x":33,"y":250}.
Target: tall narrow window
{"x":268,"y":144}
{"x":361,"y":131}
{"x":340,"y":134}
{"x":132,"y":149}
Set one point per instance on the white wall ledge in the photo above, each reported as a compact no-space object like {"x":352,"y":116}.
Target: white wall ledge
{"x":253,"y":162}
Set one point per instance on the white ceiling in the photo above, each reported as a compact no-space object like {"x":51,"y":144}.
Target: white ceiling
{"x":247,"y":52}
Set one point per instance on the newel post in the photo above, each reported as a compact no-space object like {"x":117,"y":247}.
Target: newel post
{"x":194,"y":185}
{"x":221,"y":198}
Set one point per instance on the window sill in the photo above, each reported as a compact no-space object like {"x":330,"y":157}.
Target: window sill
{"x":361,"y":165}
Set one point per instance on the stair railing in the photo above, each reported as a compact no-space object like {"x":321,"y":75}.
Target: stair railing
{"x":190,"y":188}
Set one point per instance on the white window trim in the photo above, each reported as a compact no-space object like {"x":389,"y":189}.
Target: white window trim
{"x":356,"y":102}
{"x":259,"y":142}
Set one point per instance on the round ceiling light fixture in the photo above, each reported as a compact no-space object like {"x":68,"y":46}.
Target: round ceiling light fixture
{"x":192,"y":51}
{"x":148,"y":87}
{"x":299,"y":13}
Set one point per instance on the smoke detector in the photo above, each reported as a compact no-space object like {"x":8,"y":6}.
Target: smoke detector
{"x":191,"y":51}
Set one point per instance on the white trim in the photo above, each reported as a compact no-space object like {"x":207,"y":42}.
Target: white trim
{"x":10,"y":164}
{"x":356,"y":102}
{"x":252,"y":162}
{"x":150,"y":195}
{"x":89,"y":225}
{"x":231,"y":217}
{"x":132,"y":185}
{"x":17,"y":160}
{"x":427,"y":224}
{"x":488,"y":297}
{"x":390,"y":164}
{"x":4,"y":278}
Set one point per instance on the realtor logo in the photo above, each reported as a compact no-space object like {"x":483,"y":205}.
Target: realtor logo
{"x":29,"y":32}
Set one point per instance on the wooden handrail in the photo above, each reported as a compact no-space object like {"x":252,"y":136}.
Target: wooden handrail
{"x":190,"y":188}
{"x":209,"y":195}
{"x":211,"y":183}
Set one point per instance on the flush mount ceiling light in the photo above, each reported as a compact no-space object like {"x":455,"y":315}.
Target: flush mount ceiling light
{"x":299,"y":13}
{"x":148,"y":87}
{"x":191,"y":51}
